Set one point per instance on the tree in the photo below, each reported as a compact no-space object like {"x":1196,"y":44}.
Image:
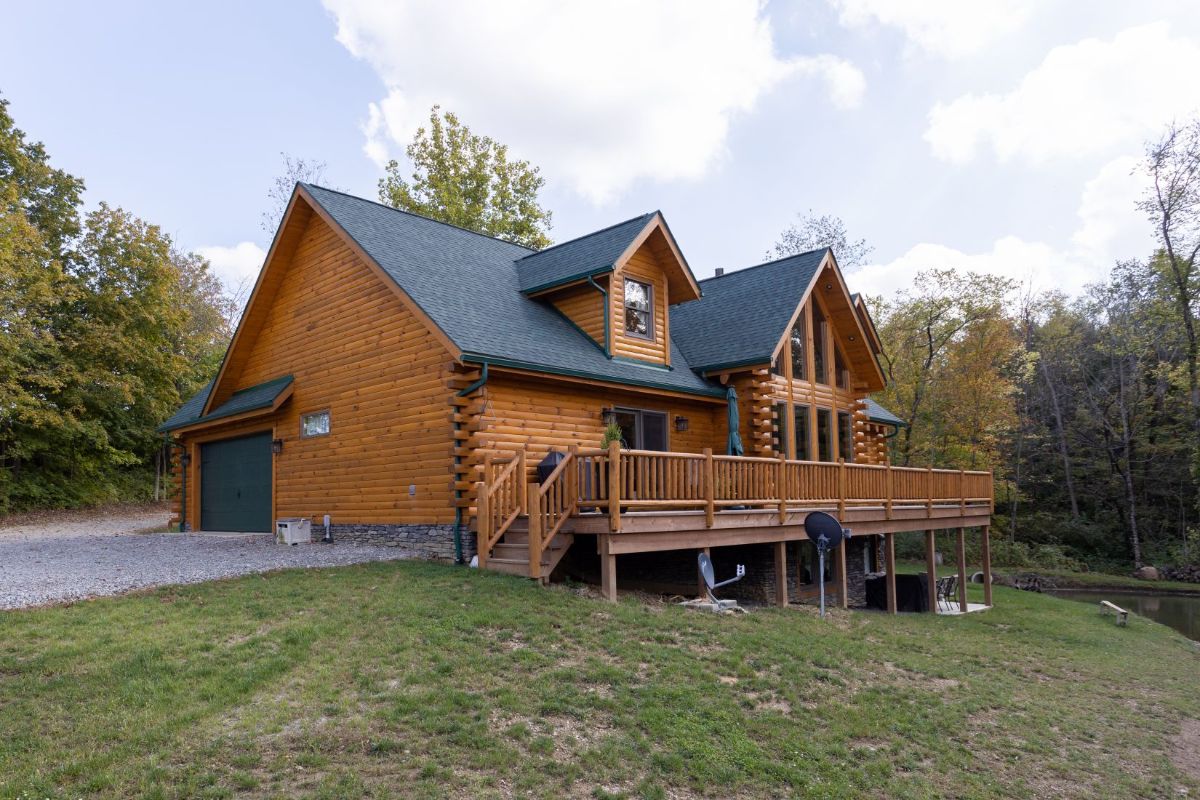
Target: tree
{"x":1173,"y":205}
{"x":817,"y":231}
{"x":295,"y":170}
{"x":468,"y":180}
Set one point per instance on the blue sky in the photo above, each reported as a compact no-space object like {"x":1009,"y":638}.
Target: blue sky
{"x":992,"y":136}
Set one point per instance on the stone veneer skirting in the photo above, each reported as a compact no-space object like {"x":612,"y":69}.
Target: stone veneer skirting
{"x":422,"y":541}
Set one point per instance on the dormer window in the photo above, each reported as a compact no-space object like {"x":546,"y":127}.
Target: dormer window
{"x":639,"y":309}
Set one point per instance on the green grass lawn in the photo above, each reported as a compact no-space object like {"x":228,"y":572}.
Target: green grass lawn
{"x":420,"y":680}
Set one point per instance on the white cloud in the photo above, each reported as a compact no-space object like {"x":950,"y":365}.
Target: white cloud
{"x":235,"y":266}
{"x":946,"y":28}
{"x":598,"y":95}
{"x":1110,"y":229}
{"x":1086,"y":99}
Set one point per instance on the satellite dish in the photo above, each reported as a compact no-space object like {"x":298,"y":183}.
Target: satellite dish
{"x":819,"y":525}
{"x":710,"y":577}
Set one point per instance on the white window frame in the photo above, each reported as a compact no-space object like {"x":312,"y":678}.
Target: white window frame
{"x":649,"y":312}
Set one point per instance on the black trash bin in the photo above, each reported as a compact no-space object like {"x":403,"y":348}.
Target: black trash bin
{"x":548,"y":464}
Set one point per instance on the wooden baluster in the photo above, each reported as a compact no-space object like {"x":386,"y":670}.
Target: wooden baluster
{"x":482,"y":522}
{"x":709,"y":487}
{"x":842,"y":492}
{"x":522,"y":497}
{"x":572,"y":500}
{"x":614,"y":486}
{"x":534,"y":493}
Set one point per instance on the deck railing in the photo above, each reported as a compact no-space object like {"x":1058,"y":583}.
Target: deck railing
{"x":614,"y":480}
{"x":632,"y":480}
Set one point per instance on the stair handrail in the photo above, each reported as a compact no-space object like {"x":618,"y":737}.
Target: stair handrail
{"x":501,"y":500}
{"x":551,"y":504}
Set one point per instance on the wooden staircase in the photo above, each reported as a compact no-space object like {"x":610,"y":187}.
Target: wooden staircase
{"x":511,"y":554}
{"x":520,"y":525}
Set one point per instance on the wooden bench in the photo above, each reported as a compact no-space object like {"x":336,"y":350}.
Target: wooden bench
{"x":1121,"y":614}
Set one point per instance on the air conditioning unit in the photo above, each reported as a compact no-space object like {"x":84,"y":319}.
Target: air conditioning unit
{"x":293,"y":530}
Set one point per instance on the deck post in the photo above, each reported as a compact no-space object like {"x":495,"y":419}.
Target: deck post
{"x":533,"y":493}
{"x":961,"y":557}
{"x":781,"y":585}
{"x":483,"y":519}
{"x":931,"y":569}
{"x":929,"y":492}
{"x":614,"y":486}
{"x":701,"y":586}
{"x":890,"y":491}
{"x":889,"y":553}
{"x":843,"y":579}
{"x":572,"y":504}
{"x":986,"y":552}
{"x":608,"y":570}
{"x":709,"y":487}
{"x":842,"y":492}
{"x":780,"y":479}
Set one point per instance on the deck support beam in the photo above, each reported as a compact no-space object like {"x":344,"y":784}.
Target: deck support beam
{"x":608,"y":571}
{"x":843,"y":579}
{"x":931,"y":570}
{"x":986,"y":551}
{"x":889,"y":554}
{"x":781,"y":584}
{"x":960,"y":554}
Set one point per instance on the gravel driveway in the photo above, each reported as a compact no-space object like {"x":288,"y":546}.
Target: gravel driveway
{"x":76,"y":557}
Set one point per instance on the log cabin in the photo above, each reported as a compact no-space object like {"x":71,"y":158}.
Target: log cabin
{"x":405,"y":378}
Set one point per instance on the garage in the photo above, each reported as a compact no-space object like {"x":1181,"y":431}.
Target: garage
{"x":235,"y":484}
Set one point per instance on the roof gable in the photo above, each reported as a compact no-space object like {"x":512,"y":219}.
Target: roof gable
{"x":467,"y":284}
{"x":742,"y":315}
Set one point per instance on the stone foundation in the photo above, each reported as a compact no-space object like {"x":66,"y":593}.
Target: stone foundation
{"x":423,"y":541}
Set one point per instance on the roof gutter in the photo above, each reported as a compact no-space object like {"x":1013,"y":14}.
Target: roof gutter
{"x":458,"y":515}
{"x":573,"y":373}
{"x":604,"y":312}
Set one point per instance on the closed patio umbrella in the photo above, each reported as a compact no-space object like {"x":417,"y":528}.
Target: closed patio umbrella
{"x":734,"y":446}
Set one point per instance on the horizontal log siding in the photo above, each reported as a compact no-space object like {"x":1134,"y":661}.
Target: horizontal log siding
{"x":642,"y":266}
{"x":355,"y":349}
{"x":542,"y":416}
{"x":584,"y":306}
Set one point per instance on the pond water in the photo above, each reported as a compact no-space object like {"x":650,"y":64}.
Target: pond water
{"x":1181,"y":612}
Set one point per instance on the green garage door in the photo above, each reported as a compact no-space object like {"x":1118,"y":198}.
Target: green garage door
{"x":235,"y":484}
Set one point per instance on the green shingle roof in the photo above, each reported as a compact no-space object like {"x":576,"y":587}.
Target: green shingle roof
{"x":250,"y":399}
{"x":743,"y":314}
{"x":470,"y":286}
{"x":592,"y":254}
{"x":877,"y":413}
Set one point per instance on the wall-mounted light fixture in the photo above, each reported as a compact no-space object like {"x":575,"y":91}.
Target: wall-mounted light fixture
{"x":681,"y":424}
{"x":608,"y":416}
{"x":277,"y":446}
{"x":185,"y":459}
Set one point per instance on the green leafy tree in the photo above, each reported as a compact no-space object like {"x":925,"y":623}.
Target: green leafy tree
{"x":469,"y":180}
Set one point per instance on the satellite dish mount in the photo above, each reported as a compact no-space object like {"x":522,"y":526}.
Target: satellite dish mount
{"x":827,"y":534}
{"x":710,"y":583}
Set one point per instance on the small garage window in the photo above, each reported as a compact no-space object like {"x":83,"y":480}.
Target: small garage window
{"x":314,"y":424}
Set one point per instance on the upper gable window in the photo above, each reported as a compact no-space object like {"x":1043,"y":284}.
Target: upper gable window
{"x":819,"y":332}
{"x":839,"y":366}
{"x":639,"y":309}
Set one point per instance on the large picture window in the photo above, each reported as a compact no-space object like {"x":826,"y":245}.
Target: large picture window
{"x":801,"y":429}
{"x":642,"y":430}
{"x":819,"y":366}
{"x":845,"y":437}
{"x":824,"y":434}
{"x":639,"y":309}
{"x":799,"y":340}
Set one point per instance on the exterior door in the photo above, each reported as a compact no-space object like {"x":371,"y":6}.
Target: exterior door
{"x":235,"y":484}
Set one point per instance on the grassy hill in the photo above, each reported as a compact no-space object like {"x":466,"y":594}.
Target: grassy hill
{"x":410,"y":679}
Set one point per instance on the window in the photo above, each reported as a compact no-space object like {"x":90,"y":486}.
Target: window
{"x":779,"y":434}
{"x":824,"y":434}
{"x":802,"y":428}
{"x":642,"y":430}
{"x":819,"y":365}
{"x":314,"y":424}
{"x":639,"y":309}
{"x":799,"y":339}
{"x":839,"y":365}
{"x":845,"y":437}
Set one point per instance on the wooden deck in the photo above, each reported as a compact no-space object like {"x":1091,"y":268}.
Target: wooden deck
{"x":637,"y":501}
